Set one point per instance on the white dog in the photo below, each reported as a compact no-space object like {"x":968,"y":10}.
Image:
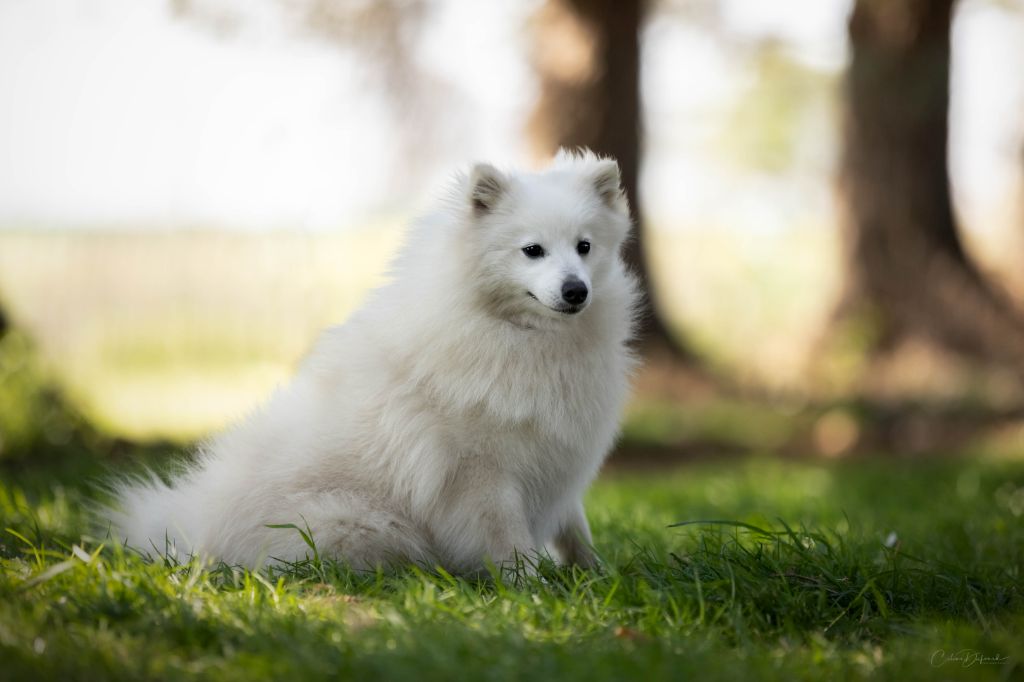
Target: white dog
{"x":457,"y":418}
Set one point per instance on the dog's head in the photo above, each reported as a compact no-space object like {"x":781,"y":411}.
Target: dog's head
{"x":546,"y":241}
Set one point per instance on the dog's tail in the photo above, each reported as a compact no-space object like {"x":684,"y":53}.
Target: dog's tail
{"x":148,"y":515}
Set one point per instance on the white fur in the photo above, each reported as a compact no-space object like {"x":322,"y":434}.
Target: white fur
{"x":454,"y":419}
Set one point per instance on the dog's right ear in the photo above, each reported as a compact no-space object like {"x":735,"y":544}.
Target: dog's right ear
{"x":487,"y":187}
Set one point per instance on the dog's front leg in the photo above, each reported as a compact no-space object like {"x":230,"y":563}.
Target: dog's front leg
{"x":573,"y":540}
{"x":487,"y":522}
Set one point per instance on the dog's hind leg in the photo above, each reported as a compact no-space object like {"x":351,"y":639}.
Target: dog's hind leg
{"x":351,"y":529}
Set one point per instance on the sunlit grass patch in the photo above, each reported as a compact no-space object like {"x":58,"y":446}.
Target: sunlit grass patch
{"x":752,"y":302}
{"x":171,"y":334}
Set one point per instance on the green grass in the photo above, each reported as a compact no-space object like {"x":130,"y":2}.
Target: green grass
{"x":841,"y":571}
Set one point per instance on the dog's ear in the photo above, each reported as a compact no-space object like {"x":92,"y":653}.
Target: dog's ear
{"x":607,"y":181}
{"x":487,"y":187}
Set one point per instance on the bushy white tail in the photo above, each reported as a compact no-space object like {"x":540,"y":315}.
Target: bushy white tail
{"x":152,"y":517}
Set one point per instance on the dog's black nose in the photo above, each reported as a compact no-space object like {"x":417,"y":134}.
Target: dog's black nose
{"x":574,"y":292}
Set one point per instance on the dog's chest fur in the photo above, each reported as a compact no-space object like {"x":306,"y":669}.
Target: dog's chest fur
{"x":540,"y":409}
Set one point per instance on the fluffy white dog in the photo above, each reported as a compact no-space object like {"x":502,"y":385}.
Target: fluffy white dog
{"x":457,"y":418}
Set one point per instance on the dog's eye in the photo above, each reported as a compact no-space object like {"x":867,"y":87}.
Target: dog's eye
{"x":583,"y":248}
{"x":533,"y":250}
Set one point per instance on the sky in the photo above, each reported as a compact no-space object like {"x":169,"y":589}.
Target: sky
{"x":116,"y":113}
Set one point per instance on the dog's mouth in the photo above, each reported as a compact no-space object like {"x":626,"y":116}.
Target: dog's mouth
{"x":565,"y":310}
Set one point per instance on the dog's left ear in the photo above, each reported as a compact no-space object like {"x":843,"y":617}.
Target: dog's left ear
{"x":487,"y":187}
{"x":607,"y":181}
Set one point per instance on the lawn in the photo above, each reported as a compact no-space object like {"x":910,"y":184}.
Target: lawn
{"x":876,"y":567}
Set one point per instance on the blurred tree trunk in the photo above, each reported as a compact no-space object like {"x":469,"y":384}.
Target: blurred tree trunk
{"x":587,"y":55}
{"x":908,"y":271}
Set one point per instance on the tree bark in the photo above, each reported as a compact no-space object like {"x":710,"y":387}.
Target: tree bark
{"x":907,"y":268}
{"x":587,"y":55}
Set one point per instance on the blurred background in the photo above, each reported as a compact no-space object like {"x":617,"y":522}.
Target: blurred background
{"x":829,"y":197}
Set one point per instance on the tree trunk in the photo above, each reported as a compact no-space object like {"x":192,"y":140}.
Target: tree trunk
{"x":587,"y":55}
{"x":907,"y":266}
